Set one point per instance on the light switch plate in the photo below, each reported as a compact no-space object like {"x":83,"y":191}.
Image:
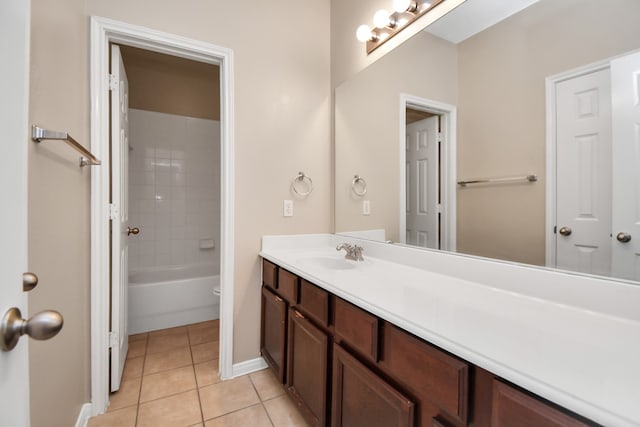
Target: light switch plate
{"x":287,"y":208}
{"x":366,"y":207}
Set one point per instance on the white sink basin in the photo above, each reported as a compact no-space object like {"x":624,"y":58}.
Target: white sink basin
{"x":329,"y":263}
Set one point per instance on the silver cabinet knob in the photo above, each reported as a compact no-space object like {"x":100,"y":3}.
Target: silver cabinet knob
{"x":41,"y":326}
{"x":565,"y":231}
{"x":623,"y":237}
{"x":134,"y":230}
{"x":29,"y":281}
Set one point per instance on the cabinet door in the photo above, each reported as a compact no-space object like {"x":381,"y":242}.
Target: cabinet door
{"x":273,"y":332}
{"x":511,"y":407}
{"x":307,"y":367}
{"x":361,"y":398}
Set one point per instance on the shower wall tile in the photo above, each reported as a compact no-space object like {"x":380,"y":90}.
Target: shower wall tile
{"x":174,"y":197}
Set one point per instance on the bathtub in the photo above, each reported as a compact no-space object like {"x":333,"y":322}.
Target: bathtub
{"x":172,"y":296}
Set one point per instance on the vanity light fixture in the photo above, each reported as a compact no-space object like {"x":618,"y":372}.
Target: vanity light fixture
{"x":389,"y":24}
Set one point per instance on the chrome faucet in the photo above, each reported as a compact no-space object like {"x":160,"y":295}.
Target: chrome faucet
{"x":354,"y":252}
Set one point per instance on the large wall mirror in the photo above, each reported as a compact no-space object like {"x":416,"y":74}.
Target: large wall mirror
{"x":519,"y":142}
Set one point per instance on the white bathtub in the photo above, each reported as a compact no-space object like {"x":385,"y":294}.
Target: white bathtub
{"x":172,"y":296}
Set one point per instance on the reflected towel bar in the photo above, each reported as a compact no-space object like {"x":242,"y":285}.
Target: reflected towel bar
{"x":87,"y":159}
{"x":529,"y":178}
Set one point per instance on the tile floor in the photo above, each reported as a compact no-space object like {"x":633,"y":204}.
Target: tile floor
{"x":171,"y":379}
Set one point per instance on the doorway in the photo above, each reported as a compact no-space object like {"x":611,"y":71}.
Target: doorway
{"x":104,"y":33}
{"x":427,"y":167}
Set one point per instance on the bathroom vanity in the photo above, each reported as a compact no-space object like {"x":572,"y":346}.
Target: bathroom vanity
{"x":418,"y":338}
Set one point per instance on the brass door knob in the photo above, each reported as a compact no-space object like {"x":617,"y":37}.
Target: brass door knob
{"x":565,"y":231}
{"x":623,"y":237}
{"x":134,"y":230}
{"x":41,"y":326}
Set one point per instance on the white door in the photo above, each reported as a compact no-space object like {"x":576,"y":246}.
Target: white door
{"x":625,"y":85}
{"x":422,"y":187}
{"x":583,"y":216}
{"x":14,"y":365}
{"x":119,"y":224}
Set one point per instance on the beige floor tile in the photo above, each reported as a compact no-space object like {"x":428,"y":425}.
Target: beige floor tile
{"x":199,"y":336}
{"x":266,"y":384}
{"x":209,"y":324}
{"x":207,"y":373}
{"x":284,"y":413}
{"x":180,"y":410}
{"x":138,"y":337}
{"x":228,"y":396}
{"x":126,"y":396}
{"x":167,"y":383}
{"x":168,"y":331}
{"x":158,"y":362}
{"x":136,"y":349}
{"x":254,"y":416}
{"x":166,"y":342}
{"x":121,"y":418}
{"x":205,"y":351}
{"x":133,"y":368}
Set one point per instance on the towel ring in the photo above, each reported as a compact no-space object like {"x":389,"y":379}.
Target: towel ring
{"x":304,"y":180}
{"x":354,"y":186}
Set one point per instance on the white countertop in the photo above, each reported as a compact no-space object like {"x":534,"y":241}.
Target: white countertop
{"x":572,"y":339}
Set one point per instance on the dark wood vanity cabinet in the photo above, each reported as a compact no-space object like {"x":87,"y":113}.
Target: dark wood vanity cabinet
{"x":279,"y":291}
{"x":346,"y":367}
{"x":362,"y":398}
{"x":274,"y":332}
{"x":307,"y":367}
{"x":512,"y":407}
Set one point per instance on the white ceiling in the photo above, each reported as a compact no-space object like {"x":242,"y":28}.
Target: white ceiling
{"x":474,"y":16}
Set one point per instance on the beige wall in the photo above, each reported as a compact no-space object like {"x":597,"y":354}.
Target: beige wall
{"x":367,"y":126}
{"x":59,"y":210}
{"x":172,"y":85}
{"x":501,"y":114}
{"x":282,"y":125}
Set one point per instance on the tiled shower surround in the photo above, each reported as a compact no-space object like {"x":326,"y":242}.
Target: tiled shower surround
{"x":174,"y":189}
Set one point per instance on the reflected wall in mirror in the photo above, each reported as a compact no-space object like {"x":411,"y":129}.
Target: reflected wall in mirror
{"x":549,"y":91}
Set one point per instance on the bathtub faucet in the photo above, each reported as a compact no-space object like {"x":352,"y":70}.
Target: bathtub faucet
{"x":354,"y":252}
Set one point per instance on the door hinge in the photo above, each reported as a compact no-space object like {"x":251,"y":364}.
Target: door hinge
{"x":439,"y":136}
{"x":113,"y":340}
{"x":439,"y":208}
{"x":112,"y":211}
{"x":113,"y":82}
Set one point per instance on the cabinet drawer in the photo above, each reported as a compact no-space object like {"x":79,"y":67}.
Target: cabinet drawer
{"x":269,"y":274}
{"x":315,"y":302}
{"x":288,"y":286}
{"x":426,"y":371}
{"x":513,"y":407}
{"x":357,"y":328}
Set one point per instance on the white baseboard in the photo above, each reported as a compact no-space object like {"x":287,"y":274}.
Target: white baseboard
{"x":84,"y":415}
{"x":248,"y":366}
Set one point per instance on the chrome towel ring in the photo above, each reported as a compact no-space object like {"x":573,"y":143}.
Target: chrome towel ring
{"x":302,"y":185}
{"x":359,"y":186}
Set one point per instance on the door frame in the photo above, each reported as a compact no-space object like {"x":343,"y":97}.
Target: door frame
{"x":448,"y":126}
{"x":103,"y":32}
{"x":551,"y":145}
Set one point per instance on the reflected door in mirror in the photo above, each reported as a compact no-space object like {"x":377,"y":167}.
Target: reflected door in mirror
{"x":583,"y":106}
{"x":422,"y":187}
{"x":625,"y":74}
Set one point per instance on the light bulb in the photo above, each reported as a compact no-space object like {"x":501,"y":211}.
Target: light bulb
{"x":402,"y":6}
{"x":363,"y":33}
{"x":381,"y":19}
